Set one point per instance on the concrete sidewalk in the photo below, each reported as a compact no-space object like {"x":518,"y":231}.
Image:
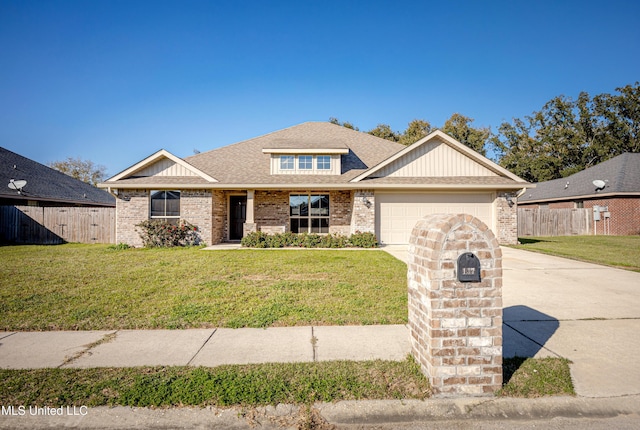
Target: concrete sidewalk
{"x":201,"y":347}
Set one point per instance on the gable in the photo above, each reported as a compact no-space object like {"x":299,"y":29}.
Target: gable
{"x":165,"y":167}
{"x":437,"y":155}
{"x":162,"y":163}
{"x":434,"y":159}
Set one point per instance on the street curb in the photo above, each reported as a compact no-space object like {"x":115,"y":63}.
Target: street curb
{"x":405,"y":411}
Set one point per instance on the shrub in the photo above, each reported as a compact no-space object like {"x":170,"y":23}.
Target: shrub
{"x":363,"y":240}
{"x":159,"y":233}
{"x":259,"y":239}
{"x":119,"y":247}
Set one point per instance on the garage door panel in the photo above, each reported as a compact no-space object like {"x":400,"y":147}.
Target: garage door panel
{"x":397,"y":214}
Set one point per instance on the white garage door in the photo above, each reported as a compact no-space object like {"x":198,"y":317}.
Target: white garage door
{"x":397,"y":213}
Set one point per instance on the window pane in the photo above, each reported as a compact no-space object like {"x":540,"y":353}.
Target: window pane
{"x":324,"y":162}
{"x":319,"y":225}
{"x":173,"y":207}
{"x":286,"y":162}
{"x":298,"y":205}
{"x":295,"y":225}
{"x":165,"y":204}
{"x":320,"y":205}
{"x":305,"y":162}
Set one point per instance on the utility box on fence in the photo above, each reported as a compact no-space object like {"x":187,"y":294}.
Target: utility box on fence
{"x":455,"y":304}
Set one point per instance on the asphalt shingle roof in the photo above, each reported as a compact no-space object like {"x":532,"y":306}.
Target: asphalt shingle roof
{"x":45,"y":183}
{"x":245,"y":163}
{"x":621,"y":175}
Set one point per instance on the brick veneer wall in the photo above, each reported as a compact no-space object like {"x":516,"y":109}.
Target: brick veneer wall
{"x":507,"y":219}
{"x":625,"y":213}
{"x":196,"y":208}
{"x":363,"y":218}
{"x":455,"y":328}
{"x":218,"y":216}
{"x":340,"y":212}
{"x":132,"y":207}
{"x":272,"y":210}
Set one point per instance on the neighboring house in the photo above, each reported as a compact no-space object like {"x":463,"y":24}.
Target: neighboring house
{"x":23,"y":217}
{"x":614,"y":198}
{"x":316,"y":177}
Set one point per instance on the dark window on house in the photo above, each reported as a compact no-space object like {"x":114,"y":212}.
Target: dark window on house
{"x":579,"y":204}
{"x":165,"y":205}
{"x":309,"y":213}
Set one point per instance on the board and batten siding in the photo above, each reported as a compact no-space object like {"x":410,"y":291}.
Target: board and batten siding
{"x":434,"y":159}
{"x":165,"y":167}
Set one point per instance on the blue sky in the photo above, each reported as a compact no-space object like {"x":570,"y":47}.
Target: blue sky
{"x":114,"y":81}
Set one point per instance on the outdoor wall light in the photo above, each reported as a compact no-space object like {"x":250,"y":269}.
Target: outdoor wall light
{"x":366,"y":202}
{"x":510,"y":201}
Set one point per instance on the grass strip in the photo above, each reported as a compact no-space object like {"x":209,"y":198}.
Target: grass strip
{"x":529,"y":377}
{"x":259,"y":384}
{"x":245,"y":385}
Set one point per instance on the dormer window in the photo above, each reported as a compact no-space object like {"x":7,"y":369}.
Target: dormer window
{"x":323,"y":162}
{"x":287,"y":162}
{"x":305,"y":162}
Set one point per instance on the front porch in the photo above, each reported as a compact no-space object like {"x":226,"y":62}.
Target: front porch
{"x":236,"y":213}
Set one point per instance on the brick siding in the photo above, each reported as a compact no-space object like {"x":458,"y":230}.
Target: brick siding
{"x":132,"y":207}
{"x":455,"y":328}
{"x":507,"y":219}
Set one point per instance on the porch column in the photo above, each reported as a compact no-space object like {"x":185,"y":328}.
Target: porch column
{"x":249,"y":223}
{"x":250,"y":206}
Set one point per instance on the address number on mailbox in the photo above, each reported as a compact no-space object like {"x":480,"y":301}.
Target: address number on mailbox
{"x":468,"y":267}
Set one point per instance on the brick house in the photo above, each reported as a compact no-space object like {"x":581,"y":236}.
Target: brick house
{"x":614,"y":199}
{"x":316,"y":177}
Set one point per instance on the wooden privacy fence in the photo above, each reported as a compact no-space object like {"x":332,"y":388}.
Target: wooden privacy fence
{"x":53,"y":225}
{"x":554,"y":222}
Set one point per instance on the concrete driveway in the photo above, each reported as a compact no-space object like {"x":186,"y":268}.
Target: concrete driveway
{"x":587,"y":313}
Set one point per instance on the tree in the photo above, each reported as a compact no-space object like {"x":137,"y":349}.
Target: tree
{"x":416,"y":130}
{"x":459,"y":127}
{"x":84,"y":170}
{"x":345,"y":124}
{"x":567,"y":136}
{"x":384,"y":131}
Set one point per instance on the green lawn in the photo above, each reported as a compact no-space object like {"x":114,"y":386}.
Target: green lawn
{"x":617,"y":251}
{"x":92,"y":287}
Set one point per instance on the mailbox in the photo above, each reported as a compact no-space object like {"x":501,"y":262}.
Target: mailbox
{"x":468,"y":267}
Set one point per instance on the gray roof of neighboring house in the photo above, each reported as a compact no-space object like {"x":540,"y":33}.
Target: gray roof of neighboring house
{"x":46,"y":184}
{"x":621,"y":175}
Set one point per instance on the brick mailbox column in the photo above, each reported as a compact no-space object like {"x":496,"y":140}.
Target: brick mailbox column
{"x":456,"y":327}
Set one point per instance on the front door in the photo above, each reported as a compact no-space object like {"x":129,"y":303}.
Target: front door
{"x":237,"y":216}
